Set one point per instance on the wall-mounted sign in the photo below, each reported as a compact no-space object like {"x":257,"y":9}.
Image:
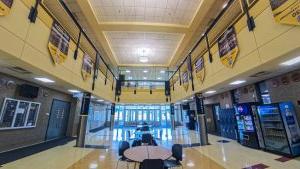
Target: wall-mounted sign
{"x":5,"y":6}
{"x":286,"y":11}
{"x":228,"y":47}
{"x":185,"y":80}
{"x":87,"y":66}
{"x":58,"y":43}
{"x":199,"y":69}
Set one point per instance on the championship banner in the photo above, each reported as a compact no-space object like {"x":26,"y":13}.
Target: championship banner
{"x":185,"y":80}
{"x":58,"y":43}
{"x":199,"y":69}
{"x":5,"y":6}
{"x":87,"y":67}
{"x":228,"y":47}
{"x":286,"y":11}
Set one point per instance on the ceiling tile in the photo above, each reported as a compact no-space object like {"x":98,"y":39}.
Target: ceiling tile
{"x":150,"y":11}
{"x":158,"y":47}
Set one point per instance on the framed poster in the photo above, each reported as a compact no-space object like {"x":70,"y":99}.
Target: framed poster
{"x":58,"y":44}
{"x":87,"y":66}
{"x":17,"y":114}
{"x":228,"y":47}
{"x":5,"y":6}
{"x":286,"y":11}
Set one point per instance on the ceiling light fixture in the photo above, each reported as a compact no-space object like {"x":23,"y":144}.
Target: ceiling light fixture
{"x":100,"y":100}
{"x":210,"y":92}
{"x":237,"y":82}
{"x":144,"y":59}
{"x":291,"y":61}
{"x":159,"y":78}
{"x":73,"y":91}
{"x":44,"y":80}
{"x":145,"y":71}
{"x":128,"y":71}
{"x":145,"y":78}
{"x":162,"y":71}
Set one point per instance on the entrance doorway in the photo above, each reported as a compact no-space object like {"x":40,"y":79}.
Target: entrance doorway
{"x":58,"y":120}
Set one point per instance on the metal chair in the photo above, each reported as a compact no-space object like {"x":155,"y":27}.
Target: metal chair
{"x":147,"y":139}
{"x":152,"y":164}
{"x":123,"y":146}
{"x":177,"y":155}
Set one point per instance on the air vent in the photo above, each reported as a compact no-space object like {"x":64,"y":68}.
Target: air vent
{"x":260,"y":74}
{"x":19,"y":70}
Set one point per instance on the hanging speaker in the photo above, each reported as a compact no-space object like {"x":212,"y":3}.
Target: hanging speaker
{"x":118,"y":88}
{"x":167,"y":88}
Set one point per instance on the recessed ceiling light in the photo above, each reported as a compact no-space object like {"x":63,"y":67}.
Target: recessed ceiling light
{"x":128,"y":71}
{"x":145,"y":71}
{"x":100,"y":100}
{"x":144,"y":59}
{"x":145,"y":78}
{"x":237,"y":82}
{"x":162,"y":71}
{"x":291,"y":61}
{"x":43,"y":79}
{"x":210,"y":92}
{"x":73,"y":91}
{"x":159,"y":78}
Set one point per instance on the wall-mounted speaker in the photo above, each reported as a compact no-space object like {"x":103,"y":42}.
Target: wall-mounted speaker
{"x":118,"y":88}
{"x":167,"y":88}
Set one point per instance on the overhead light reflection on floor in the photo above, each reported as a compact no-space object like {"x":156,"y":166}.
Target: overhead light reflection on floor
{"x":93,"y":166}
{"x":190,"y":164}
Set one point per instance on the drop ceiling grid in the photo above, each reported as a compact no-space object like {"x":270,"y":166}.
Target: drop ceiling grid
{"x":179,"y":12}
{"x":126,"y":46}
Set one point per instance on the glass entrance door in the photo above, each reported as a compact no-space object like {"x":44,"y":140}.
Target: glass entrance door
{"x":132,"y":115}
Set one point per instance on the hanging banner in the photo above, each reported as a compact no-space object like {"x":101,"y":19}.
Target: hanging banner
{"x":185,"y":80}
{"x":286,"y":11}
{"x":58,"y":43}
{"x":5,"y":6}
{"x":199,"y":69}
{"x":228,"y":47}
{"x":87,"y":67}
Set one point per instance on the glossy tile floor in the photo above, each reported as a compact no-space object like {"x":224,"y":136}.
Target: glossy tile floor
{"x":214,"y":156}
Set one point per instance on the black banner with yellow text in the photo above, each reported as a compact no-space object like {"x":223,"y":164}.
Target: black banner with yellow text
{"x":228,"y":47}
{"x":58,"y":43}
{"x":286,"y":11}
{"x":87,"y":67}
{"x":199,"y":69}
{"x":5,"y":6}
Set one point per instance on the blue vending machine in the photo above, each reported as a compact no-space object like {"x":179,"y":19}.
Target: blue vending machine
{"x":291,"y":126}
{"x":280,"y":128}
{"x":247,"y":124}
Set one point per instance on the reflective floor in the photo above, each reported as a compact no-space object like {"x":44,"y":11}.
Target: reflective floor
{"x":104,"y":155}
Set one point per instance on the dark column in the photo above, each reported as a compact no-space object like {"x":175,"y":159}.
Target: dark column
{"x":172,"y":116}
{"x":201,"y":117}
{"x":86,"y":100}
{"x":112,"y":116}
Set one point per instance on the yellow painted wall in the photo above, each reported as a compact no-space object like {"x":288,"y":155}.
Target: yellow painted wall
{"x":143,"y":96}
{"x":269,"y":41}
{"x":24,"y":44}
